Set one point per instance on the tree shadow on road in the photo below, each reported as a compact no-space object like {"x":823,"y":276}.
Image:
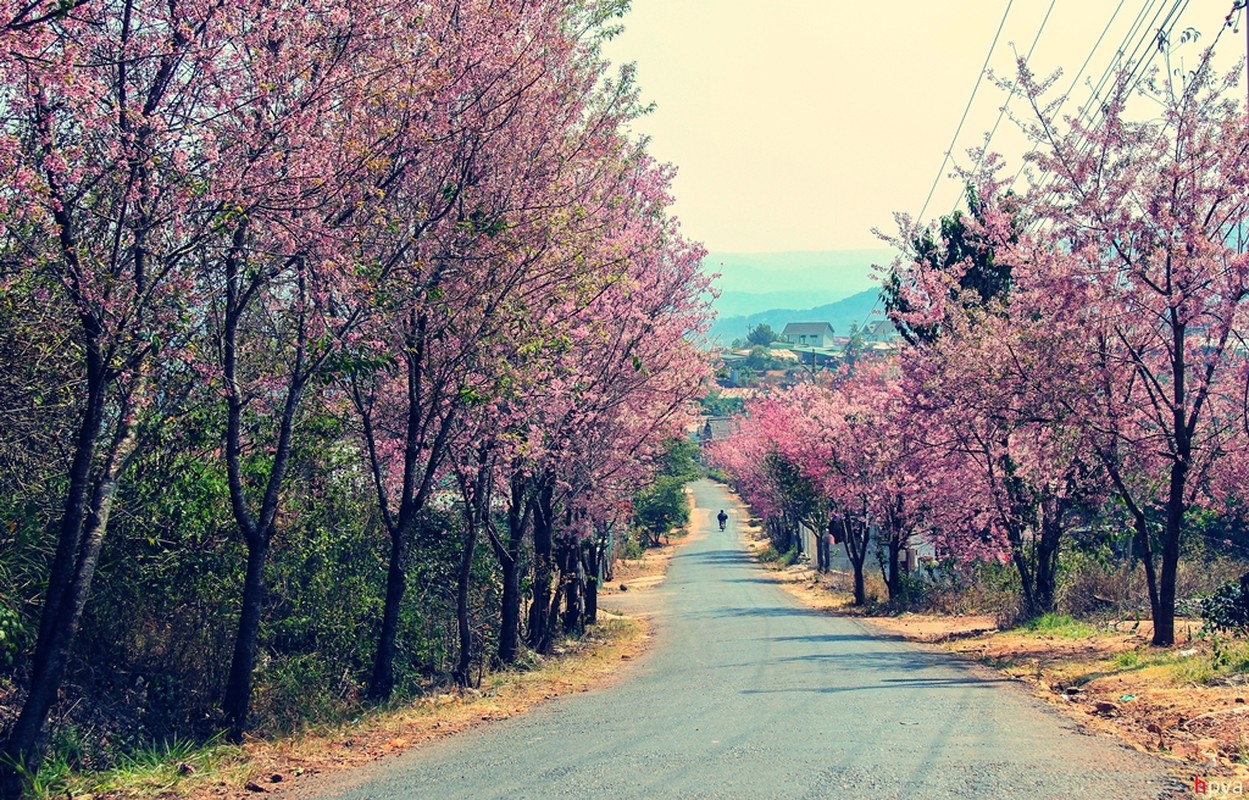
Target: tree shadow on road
{"x":951,"y":682}
{"x":718,"y":557}
{"x":756,"y":611}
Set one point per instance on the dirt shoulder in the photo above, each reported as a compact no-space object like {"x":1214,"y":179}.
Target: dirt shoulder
{"x":1187,"y":702}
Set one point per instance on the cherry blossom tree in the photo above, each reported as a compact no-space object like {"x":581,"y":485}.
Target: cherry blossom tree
{"x":1145,"y":219}
{"x":620,"y":381}
{"x":500,"y":238}
{"x":108,"y":198}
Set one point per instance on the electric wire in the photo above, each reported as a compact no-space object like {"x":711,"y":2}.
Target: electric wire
{"x":966,"y":109}
{"x":1080,"y":73}
{"x":1014,"y":88}
{"x":1095,"y":103}
{"x":1154,"y":34}
{"x":975,"y":88}
{"x":1137,"y":66}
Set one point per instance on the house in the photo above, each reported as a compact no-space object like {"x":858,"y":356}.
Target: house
{"x":812,"y":334}
{"x":881,"y":330}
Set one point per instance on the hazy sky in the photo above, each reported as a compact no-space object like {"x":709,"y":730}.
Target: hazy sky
{"x":802,"y":124}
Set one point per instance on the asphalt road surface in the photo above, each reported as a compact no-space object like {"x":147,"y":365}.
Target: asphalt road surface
{"x":748,"y":695}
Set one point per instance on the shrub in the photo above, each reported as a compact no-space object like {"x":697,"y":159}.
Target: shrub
{"x":983,"y":587}
{"x":662,"y":507}
{"x":1228,"y":608}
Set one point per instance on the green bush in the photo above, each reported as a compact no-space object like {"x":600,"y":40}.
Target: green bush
{"x":1228,"y":608}
{"x":912,"y":594}
{"x":980,"y":587}
{"x":633,"y":545}
{"x":662,"y":507}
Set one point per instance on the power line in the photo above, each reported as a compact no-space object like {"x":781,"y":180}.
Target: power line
{"x":1160,"y":39}
{"x":1094,"y":103}
{"x":1153,"y":33}
{"x":975,"y":88}
{"x":1135,"y":64}
{"x":1080,"y":73}
{"x":1014,"y":88}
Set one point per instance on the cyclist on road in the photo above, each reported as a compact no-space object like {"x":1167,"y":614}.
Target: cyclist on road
{"x":723,"y":518}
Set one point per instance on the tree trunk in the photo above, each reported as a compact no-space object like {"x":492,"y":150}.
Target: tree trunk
{"x":382,"y":682}
{"x":592,"y":564}
{"x":1164,"y":616}
{"x":52,"y":656}
{"x":509,"y":632}
{"x":894,"y":580}
{"x":1046,"y":599}
{"x":543,"y":569}
{"x":856,"y":551}
{"x":55,"y":639}
{"x":81,"y":534}
{"x":574,"y":580}
{"x":239,"y":685}
{"x":463,"y":670}
{"x":509,"y":559}
{"x":1026,"y":577}
{"x":75,"y":510}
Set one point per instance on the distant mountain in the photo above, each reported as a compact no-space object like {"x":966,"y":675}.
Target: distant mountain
{"x":739,"y":304}
{"x":854,"y":310}
{"x":752,"y":283}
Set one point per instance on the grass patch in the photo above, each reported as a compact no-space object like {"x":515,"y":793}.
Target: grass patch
{"x":160,"y":769}
{"x":1225,"y":663}
{"x":768,"y":554}
{"x":1128,"y":660}
{"x":1057,"y":625}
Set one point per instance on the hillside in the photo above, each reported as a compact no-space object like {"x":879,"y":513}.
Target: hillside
{"x":853,"y":310}
{"x":754,"y":283}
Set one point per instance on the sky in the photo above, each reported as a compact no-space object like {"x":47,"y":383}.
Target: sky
{"x":801,"y":125}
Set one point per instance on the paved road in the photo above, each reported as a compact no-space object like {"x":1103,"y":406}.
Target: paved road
{"x":747,"y":695}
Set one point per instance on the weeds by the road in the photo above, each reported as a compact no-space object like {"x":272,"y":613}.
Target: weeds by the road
{"x":1059,"y":625}
{"x":185,"y":769}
